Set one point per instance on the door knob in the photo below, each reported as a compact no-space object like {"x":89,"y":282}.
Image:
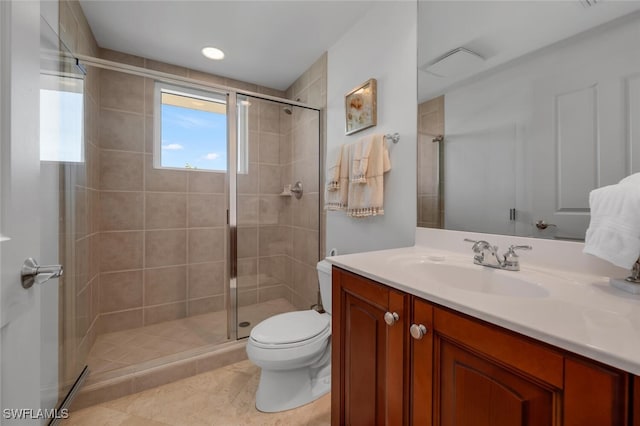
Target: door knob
{"x":418,"y":331}
{"x":31,"y":272}
{"x":391,"y":318}
{"x":542,"y":225}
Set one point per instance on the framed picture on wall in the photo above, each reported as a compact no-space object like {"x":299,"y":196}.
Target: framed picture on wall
{"x":360,"y":107}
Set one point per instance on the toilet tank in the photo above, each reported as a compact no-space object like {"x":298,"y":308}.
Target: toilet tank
{"x":324,"y":278}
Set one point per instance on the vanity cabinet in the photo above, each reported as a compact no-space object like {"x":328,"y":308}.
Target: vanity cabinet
{"x":368,"y":353}
{"x":435,"y":366}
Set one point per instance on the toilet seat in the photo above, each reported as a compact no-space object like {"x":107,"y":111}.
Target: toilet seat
{"x":291,"y":329}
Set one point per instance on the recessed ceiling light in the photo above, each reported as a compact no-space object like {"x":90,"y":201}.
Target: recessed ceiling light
{"x":213,"y":53}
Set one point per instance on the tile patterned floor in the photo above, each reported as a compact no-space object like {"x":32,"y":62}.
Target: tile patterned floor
{"x":221,"y":397}
{"x":125,"y":348}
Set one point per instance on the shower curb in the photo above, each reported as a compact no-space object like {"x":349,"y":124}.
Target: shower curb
{"x":108,"y":386}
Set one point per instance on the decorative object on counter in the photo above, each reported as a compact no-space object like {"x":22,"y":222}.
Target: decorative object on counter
{"x":614,"y":229}
{"x":361,"y":107}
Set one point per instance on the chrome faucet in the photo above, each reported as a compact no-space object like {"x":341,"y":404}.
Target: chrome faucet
{"x":509,"y":261}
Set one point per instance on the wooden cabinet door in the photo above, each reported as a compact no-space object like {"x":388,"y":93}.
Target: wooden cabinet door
{"x":422,"y":365}
{"x":636,"y":401}
{"x":368,"y":376}
{"x":594,"y":394}
{"x":474,"y":391}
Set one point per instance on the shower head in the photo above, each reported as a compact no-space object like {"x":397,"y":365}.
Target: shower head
{"x":287,"y":109}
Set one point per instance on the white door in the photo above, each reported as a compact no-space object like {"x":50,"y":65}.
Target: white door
{"x":584,"y":134}
{"x":20,"y":210}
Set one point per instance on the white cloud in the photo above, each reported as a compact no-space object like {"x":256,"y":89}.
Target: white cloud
{"x":212,"y":156}
{"x":173,"y":147}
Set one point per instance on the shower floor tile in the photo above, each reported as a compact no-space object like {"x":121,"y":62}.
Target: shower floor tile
{"x":225,"y":396}
{"x":125,"y":348}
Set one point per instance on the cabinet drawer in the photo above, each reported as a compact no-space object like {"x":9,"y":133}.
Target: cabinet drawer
{"x":509,"y":349}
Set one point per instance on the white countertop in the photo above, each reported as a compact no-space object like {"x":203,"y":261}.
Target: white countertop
{"x":578,"y":312}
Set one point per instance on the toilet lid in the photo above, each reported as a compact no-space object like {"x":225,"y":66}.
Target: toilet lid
{"x":290,"y":327}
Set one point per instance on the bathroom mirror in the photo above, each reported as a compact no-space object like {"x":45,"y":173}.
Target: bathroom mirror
{"x":524,"y":108}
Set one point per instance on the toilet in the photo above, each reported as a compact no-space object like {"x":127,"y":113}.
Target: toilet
{"x":294,"y":352}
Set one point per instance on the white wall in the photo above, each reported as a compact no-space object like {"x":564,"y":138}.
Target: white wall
{"x":382,"y":45}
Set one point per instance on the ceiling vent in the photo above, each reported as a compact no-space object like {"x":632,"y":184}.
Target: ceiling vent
{"x":455,"y":63}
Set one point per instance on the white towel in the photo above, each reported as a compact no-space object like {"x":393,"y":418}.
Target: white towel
{"x":337,"y":187}
{"x":367,"y":198}
{"x":614,"y":229}
{"x":632,"y":179}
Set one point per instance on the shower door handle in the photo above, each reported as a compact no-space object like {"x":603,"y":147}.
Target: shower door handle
{"x":31,"y":273}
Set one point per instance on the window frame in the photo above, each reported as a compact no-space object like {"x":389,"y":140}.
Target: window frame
{"x":208,"y":96}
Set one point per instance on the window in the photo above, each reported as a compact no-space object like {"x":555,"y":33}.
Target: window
{"x":61,"y":118}
{"x":190,"y":129}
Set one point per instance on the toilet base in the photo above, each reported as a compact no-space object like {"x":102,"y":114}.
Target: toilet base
{"x":283,"y":390}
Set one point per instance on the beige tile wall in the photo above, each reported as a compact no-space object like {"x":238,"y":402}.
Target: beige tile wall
{"x":430,"y":125}
{"x":154,"y":242}
{"x":163,"y":231}
{"x":80,"y":244}
{"x":307,"y":148}
{"x":264,"y":232}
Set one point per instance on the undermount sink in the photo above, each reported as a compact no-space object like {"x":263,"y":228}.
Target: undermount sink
{"x":479,"y":279}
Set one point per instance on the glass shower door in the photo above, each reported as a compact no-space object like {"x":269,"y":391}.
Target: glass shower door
{"x":277,"y":233}
{"x":263,"y":212}
{"x":66,"y":309}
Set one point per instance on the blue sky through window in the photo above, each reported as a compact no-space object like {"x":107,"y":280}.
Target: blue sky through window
{"x":193,"y":138}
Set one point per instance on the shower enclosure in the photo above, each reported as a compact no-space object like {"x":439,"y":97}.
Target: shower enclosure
{"x":193,"y":234}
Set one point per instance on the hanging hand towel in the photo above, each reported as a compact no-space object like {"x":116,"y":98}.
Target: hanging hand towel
{"x":337,"y":187}
{"x":367,"y":198}
{"x":333,"y":171}
{"x":614,"y":229}
{"x":360,"y":152}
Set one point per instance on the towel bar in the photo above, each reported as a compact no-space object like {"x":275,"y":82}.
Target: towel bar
{"x":392,"y":137}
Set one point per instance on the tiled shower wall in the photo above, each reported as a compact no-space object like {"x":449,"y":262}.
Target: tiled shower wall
{"x":153,"y":246}
{"x":163,"y":231}
{"x":306,"y":162}
{"x":430,"y":125}
{"x":264,"y":239}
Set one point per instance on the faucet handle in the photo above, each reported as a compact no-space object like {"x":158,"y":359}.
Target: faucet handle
{"x":511,"y":259}
{"x":512,"y":249}
{"x":479,"y":245}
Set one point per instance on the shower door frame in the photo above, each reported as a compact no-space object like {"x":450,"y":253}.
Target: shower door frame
{"x":231,"y":176}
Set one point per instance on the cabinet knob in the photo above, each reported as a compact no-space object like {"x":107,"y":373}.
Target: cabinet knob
{"x":417,"y":331}
{"x":391,"y":318}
